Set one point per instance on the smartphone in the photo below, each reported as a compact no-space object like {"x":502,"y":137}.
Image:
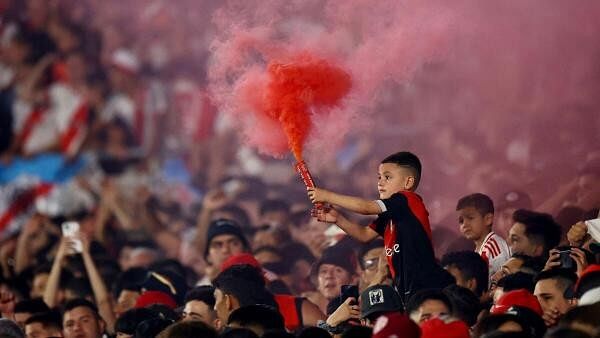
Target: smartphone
{"x":566,"y":261}
{"x":232,"y":187}
{"x":350,"y":291}
{"x":71,"y":229}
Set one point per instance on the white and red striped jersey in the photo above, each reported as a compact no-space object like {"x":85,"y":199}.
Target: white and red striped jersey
{"x":495,"y":251}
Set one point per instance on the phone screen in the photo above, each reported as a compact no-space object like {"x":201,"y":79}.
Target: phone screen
{"x":71,"y":229}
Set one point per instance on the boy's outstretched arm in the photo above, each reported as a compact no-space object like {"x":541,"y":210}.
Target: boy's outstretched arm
{"x":357,"y":231}
{"x":355,"y":204}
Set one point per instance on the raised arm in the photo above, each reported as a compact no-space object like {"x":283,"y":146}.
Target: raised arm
{"x":53,"y":283}
{"x":101,"y":294}
{"x":354,"y":204}
{"x":357,"y":231}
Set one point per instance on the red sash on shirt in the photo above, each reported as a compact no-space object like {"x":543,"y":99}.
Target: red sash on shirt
{"x":23,"y":202}
{"x":76,"y":128}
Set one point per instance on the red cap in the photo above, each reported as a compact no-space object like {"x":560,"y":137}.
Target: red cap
{"x":240,"y":259}
{"x":436,"y":327}
{"x":594,"y":268}
{"x":519,"y":297}
{"x":395,"y":325}
{"x":155,"y":297}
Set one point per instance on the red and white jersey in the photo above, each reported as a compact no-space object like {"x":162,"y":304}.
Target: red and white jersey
{"x":495,"y":251}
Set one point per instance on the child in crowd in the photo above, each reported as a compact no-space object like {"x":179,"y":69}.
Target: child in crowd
{"x":475,"y":218}
{"x":402,"y":222}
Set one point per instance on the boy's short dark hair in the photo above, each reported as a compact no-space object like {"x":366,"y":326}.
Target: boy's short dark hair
{"x":516,"y":281}
{"x":35,"y":305}
{"x":245,"y":283}
{"x":481,"y":202}
{"x":48,"y":319}
{"x":471,"y":265}
{"x":204,"y":293}
{"x":565,"y":279}
{"x":422,"y":296}
{"x":267,"y":317}
{"x":407,"y":160}
{"x":540,"y":228}
{"x":77,"y":302}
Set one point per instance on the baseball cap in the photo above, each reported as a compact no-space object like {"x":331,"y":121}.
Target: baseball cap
{"x":519,"y":297}
{"x":379,"y":299}
{"x":223,"y":227}
{"x":395,"y":325}
{"x":155,"y":297}
{"x":168,"y":282}
{"x":436,"y":327}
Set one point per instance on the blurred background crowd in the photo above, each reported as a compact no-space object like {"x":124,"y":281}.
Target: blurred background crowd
{"x":107,"y":129}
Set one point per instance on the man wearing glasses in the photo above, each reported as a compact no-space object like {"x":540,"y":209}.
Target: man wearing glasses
{"x":369,"y":261}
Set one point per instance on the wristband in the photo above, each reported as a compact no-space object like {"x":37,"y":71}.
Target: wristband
{"x":331,"y":329}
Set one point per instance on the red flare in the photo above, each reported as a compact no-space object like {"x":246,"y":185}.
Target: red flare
{"x":297,"y":86}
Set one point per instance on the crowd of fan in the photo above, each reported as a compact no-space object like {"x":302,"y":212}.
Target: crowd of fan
{"x":247,"y":259}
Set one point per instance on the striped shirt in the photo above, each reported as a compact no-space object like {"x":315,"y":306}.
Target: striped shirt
{"x":495,"y":251}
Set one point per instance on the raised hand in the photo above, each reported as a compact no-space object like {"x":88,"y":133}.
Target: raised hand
{"x":348,"y":310}
{"x":577,"y":234}
{"x":327,"y":215}
{"x":317,"y":195}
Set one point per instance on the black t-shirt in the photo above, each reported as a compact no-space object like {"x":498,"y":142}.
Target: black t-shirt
{"x":404,"y":226}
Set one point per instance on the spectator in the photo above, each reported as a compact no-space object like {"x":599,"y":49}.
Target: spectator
{"x":240,"y":285}
{"x":554,"y":290}
{"x":199,"y":305}
{"x":533,"y":233}
{"x":27,"y":308}
{"x":82,"y":320}
{"x":368,"y":258}
{"x":476,"y":215}
{"x":334,"y":269}
{"x":469,"y":269}
{"x":515,"y":264}
{"x":224,"y":239}
{"x":427,"y":304}
{"x":44,"y":325}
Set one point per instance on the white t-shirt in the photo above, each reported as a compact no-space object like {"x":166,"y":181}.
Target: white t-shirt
{"x":495,"y":251}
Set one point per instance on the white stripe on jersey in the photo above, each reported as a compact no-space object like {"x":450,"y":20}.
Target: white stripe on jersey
{"x":495,"y":249}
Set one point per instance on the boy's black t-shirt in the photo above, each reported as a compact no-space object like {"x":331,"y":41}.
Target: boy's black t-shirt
{"x":404,"y":226}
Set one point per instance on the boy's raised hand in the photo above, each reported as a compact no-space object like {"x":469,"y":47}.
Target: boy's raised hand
{"x":317,"y":195}
{"x":327,"y":215}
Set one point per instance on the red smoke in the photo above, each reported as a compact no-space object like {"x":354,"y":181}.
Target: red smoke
{"x":298,"y":86}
